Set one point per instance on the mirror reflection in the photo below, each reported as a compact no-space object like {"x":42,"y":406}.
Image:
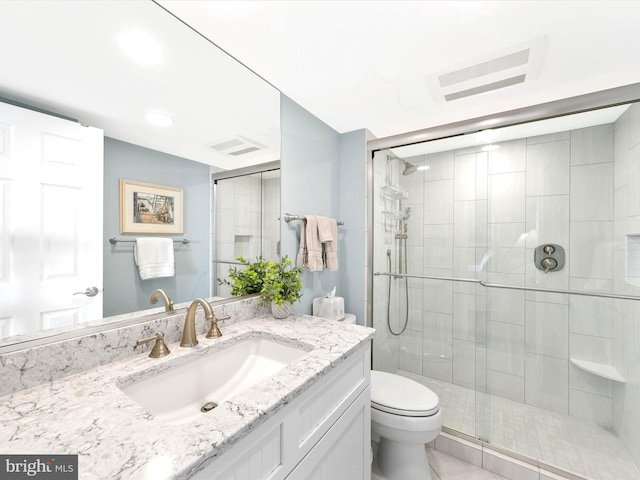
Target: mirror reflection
{"x":84,"y":106}
{"x":246,"y":212}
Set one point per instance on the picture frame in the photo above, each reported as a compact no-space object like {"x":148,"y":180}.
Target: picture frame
{"x":150,"y":208}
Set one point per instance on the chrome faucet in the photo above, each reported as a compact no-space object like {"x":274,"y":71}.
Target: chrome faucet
{"x":168,"y":303}
{"x":189,"y":330}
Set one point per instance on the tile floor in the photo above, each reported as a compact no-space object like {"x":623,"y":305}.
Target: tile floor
{"x":446,"y":467}
{"x":552,"y":438}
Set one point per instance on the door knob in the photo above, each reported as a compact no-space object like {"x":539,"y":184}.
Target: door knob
{"x":89,"y":292}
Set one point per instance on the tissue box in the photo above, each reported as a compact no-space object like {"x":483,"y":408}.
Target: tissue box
{"x":329,"y":307}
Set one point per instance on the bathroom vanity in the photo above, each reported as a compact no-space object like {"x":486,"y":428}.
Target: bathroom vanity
{"x":308,"y":419}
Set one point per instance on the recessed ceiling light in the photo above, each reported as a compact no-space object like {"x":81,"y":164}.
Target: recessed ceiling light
{"x":141,"y":47}
{"x":424,"y":167}
{"x":490,"y":148}
{"x":159,"y":119}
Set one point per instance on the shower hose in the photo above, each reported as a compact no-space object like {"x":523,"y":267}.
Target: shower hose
{"x":406,"y":291}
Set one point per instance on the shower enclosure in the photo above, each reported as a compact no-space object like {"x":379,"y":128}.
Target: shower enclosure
{"x":506,"y":277}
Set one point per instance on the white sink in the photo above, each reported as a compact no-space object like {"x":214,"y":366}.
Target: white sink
{"x":177,"y":394}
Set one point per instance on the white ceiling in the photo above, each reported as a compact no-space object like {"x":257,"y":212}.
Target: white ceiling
{"x":353,"y":64}
{"x":63,"y":57}
{"x":371,"y":64}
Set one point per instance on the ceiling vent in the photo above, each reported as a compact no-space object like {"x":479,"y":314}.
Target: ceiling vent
{"x":492,"y":72}
{"x":237,"y":146}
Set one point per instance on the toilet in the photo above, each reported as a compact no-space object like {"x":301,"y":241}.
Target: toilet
{"x":405,"y":415}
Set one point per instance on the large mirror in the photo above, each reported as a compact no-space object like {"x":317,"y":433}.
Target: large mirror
{"x":112,"y":65}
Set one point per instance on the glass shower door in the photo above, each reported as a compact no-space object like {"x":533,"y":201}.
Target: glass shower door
{"x":429,"y":224}
{"x":558,"y":220}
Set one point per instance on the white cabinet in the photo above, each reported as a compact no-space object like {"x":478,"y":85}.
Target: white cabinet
{"x":342,"y":453}
{"x":324,"y":433}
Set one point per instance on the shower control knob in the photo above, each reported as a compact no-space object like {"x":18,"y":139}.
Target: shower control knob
{"x":548,"y":264}
{"x":549,"y":249}
{"x":549,"y":257}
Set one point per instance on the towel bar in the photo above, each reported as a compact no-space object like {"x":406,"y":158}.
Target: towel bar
{"x":114,"y":240}
{"x":288,"y":218}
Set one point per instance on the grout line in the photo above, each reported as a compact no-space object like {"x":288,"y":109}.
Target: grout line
{"x":434,"y":474}
{"x":490,"y":448}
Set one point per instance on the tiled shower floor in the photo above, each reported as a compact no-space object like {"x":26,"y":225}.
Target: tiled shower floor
{"x":555,"y":439}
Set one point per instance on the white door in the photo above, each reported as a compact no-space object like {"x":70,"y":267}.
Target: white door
{"x":51,"y":173}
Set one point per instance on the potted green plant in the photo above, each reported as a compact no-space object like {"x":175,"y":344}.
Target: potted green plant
{"x":277,"y":282}
{"x":249,"y":279}
{"x":282,"y":286}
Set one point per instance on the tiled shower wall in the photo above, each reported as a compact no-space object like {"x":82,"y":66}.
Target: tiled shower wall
{"x":626,"y":314}
{"x":480,"y":215}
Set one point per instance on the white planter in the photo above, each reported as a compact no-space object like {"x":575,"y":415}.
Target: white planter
{"x":280,"y":312}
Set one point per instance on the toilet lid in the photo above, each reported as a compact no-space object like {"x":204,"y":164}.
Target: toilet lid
{"x":402,"y":396}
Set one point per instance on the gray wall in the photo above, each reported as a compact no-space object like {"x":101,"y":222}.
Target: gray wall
{"x":124,"y":291}
{"x":324,"y":173}
{"x":310,"y":156}
{"x":352,"y":254}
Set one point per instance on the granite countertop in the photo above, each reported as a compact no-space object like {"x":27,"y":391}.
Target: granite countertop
{"x":116,"y":438}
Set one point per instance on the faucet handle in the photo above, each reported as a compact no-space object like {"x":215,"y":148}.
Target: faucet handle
{"x":160,"y":349}
{"x":214,"y":331}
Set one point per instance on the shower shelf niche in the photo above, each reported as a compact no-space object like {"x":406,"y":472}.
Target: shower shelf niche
{"x":394,"y":192}
{"x":600,"y":369}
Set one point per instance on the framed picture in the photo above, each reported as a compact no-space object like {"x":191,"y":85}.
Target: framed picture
{"x":149,"y":208}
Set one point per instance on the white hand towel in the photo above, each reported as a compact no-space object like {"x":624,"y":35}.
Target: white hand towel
{"x":328,"y":235}
{"x":154,"y":257}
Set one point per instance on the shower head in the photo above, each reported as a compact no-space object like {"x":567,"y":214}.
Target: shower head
{"x":409,"y":168}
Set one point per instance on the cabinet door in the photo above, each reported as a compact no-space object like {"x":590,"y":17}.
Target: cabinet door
{"x":344,"y":452}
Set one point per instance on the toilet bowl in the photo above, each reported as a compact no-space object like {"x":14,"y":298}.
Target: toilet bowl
{"x":405,"y":415}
